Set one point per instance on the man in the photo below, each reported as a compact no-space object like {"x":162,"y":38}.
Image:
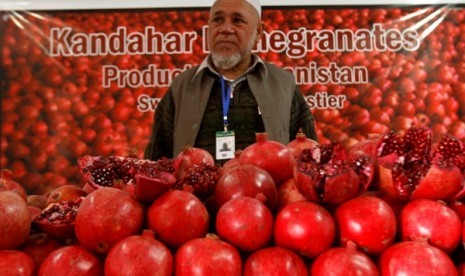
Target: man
{"x":232,"y":95}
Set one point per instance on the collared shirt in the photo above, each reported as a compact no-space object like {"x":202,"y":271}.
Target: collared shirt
{"x":206,"y":63}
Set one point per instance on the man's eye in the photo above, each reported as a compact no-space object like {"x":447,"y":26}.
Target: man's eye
{"x":217,"y":19}
{"x":239,"y":20}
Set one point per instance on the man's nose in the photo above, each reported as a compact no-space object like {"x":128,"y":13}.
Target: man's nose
{"x":227,"y":27}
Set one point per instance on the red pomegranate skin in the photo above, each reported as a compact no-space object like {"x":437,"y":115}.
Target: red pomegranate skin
{"x":416,"y":259}
{"x":367,"y":221}
{"x":39,"y":245}
{"x":189,"y":157}
{"x":341,"y":261}
{"x":207,"y":256}
{"x":245,"y":222}
{"x":7,"y":184}
{"x":432,"y":221}
{"x":106,"y":216}
{"x":15,"y":220}
{"x":71,"y":260}
{"x":16,"y":263}
{"x":300,"y":143}
{"x":459,"y":207}
{"x":439,"y":183}
{"x":246,"y":180}
{"x":271,"y":156}
{"x":39,"y":201}
{"x":275,"y":261}
{"x":177,"y":217}
{"x":66,"y":192}
{"x":288,"y":193}
{"x":139,"y":255}
{"x":304,"y":227}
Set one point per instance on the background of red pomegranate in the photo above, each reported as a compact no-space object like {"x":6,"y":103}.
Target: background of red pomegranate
{"x":55,"y":109}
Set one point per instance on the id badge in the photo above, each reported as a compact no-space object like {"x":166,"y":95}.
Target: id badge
{"x":225,"y":145}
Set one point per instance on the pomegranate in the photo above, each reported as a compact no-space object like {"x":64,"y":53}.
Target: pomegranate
{"x":330,"y":177}
{"x":245,"y":222}
{"x":106,"y":216}
{"x":246,"y":180}
{"x":189,"y":157}
{"x":367,"y":221}
{"x":149,"y":188}
{"x":139,"y":255}
{"x":39,"y":245}
{"x":300,"y":143}
{"x":415,"y":258}
{"x":65,"y":193}
{"x":362,"y":156}
{"x":288,"y":192}
{"x":16,"y":263}
{"x":272,"y":156}
{"x":208,"y":256}
{"x":342,"y":261}
{"x":410,"y":170}
{"x":15,"y":220}
{"x":39,"y":201}
{"x":34,"y":212}
{"x":231,"y":163}
{"x":116,"y":171}
{"x":177,"y":217}
{"x":459,"y":207}
{"x":58,"y":219}
{"x":433,"y":222}
{"x":8,"y":184}
{"x":71,"y":260}
{"x":201,"y":180}
{"x":304,"y":227}
{"x":274,"y":260}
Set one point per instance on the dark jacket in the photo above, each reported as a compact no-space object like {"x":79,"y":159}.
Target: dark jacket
{"x":273,"y":88}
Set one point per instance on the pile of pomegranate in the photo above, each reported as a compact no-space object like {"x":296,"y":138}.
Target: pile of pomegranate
{"x":55,"y":109}
{"x":390,"y":205}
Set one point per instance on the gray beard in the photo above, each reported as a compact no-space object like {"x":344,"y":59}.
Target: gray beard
{"x":228,"y":62}
{"x":225,"y":62}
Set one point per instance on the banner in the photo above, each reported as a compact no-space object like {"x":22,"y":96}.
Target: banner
{"x":77,"y":82}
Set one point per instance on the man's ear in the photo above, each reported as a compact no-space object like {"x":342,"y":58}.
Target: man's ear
{"x":259,"y":32}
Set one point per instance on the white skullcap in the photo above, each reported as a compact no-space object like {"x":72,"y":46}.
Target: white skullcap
{"x":256,"y":5}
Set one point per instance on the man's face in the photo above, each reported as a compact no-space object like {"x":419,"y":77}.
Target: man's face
{"x":234,"y":29}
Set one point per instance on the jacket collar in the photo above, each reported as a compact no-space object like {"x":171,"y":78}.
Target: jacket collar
{"x":206,"y":64}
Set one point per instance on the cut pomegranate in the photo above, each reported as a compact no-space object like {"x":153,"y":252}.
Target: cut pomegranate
{"x":200,"y":179}
{"x":147,"y":189}
{"x":300,"y":143}
{"x":154,"y":177}
{"x":58,"y":218}
{"x":190,"y":157}
{"x":409,"y":169}
{"x":328,"y":174}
